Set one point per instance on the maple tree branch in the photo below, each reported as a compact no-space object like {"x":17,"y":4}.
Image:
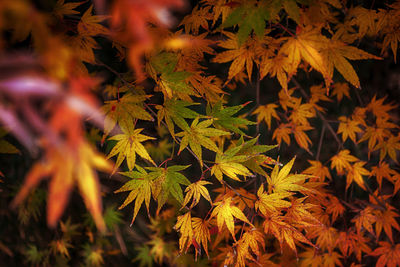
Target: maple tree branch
{"x":320,"y":142}
{"x":258,"y":100}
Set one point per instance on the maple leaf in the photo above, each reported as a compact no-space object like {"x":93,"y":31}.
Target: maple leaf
{"x":326,"y":236}
{"x":67,"y":167}
{"x":160,"y":249}
{"x":201,"y":233}
{"x":251,"y":241}
{"x":318,"y":170}
{"x":124,"y":111}
{"x":184,"y":226}
{"x":198,"y":18}
{"x":348,"y":128}
{"x":241,"y":55}
{"x":336,"y":54}
{"x":312,"y":258}
{"x":128,"y":145}
{"x":340,"y":90}
{"x":342,"y":161}
{"x":255,"y":158}
{"x":379,"y":109}
{"x":160,"y":151}
{"x":300,"y":214}
{"x":195,"y":190}
{"x":301,"y":137}
{"x":276,"y":66}
{"x":281,"y":181}
{"x":170,"y":81}
{"x":282,"y":132}
{"x":350,"y":242}
{"x":386,"y":219}
{"x":365,"y":219}
{"x":306,"y":45}
{"x":271,"y":203}
{"x":389,"y":254}
{"x":140,"y":188}
{"x":223,"y":117}
{"x":90,"y":24}
{"x":167,"y":182}
{"x":198,"y":135}
{"x":175,"y":111}
{"x":249,"y":17}
{"x":266,"y":112}
{"x":390,"y":146}
{"x":284,"y":232}
{"x":356,"y":173}
{"x":382,"y":171}
{"x":302,"y":112}
{"x":210,"y":87}
{"x":225,"y":211}
{"x":230,"y":163}
{"x":335,"y":207}
{"x":62,"y":9}
{"x":143,"y":256}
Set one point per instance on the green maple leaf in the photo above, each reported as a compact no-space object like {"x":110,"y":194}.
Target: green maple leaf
{"x":197,"y":136}
{"x":230,"y":164}
{"x":168,"y":182}
{"x":256,"y":158}
{"x":144,"y":256}
{"x":249,"y":17}
{"x":170,"y":79}
{"x":223,"y":117}
{"x":175,"y":111}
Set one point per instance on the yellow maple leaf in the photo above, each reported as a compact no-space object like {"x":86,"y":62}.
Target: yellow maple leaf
{"x":195,"y":190}
{"x":305,"y":45}
{"x":318,"y":170}
{"x":271,"y":203}
{"x":184,"y":226}
{"x":201,"y":233}
{"x":225,"y":211}
{"x":336,"y":55}
{"x":129,"y":144}
{"x":282,"y":181}
{"x":342,"y":161}
{"x":140,"y":186}
{"x":348,"y":128}
{"x":266,"y":112}
{"x":252,"y":241}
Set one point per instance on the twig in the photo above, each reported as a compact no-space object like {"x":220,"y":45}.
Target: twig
{"x":320,"y":142}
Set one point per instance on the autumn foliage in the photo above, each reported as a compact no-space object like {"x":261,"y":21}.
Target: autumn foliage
{"x":203,"y":133}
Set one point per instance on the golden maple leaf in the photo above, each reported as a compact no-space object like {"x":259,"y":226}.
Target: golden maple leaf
{"x":225,"y":211}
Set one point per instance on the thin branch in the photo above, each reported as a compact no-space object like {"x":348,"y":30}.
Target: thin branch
{"x":320,"y":142}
